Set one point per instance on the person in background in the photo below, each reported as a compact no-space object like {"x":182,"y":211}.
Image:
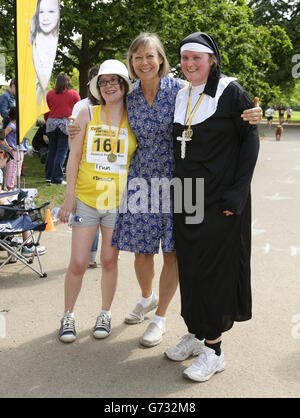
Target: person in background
{"x":61,"y":101}
{"x":281,"y":110}
{"x":12,"y":170}
{"x":2,"y":138}
{"x":6,"y":155}
{"x":40,"y":141}
{"x":289,"y":114}
{"x":212,"y":142}
{"x":270,"y":114}
{"x":8,"y":99}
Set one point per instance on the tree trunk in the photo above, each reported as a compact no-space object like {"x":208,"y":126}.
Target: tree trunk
{"x":83,"y":79}
{"x":84,"y":63}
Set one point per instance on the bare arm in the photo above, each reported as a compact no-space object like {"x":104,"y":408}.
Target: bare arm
{"x":7,"y":131}
{"x":74,"y":160}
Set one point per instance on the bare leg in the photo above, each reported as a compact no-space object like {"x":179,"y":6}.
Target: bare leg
{"x":168,"y":283}
{"x":214,"y":341}
{"x":109,"y":263}
{"x":82,"y":239}
{"x":144,"y":269}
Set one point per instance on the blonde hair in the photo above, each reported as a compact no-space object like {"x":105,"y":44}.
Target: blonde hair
{"x":142,"y":40}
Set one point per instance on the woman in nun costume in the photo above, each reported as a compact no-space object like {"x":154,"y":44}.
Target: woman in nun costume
{"x":212,"y":142}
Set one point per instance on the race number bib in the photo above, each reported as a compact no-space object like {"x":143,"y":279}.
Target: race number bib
{"x":100,"y":146}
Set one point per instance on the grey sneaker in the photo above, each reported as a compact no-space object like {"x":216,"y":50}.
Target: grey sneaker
{"x":67,"y":332}
{"x":153,"y":335}
{"x":138,"y":314}
{"x":187,"y":346}
{"x":102,"y":327}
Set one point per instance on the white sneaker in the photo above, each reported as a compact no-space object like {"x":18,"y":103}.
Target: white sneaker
{"x":138,"y":314}
{"x":188,"y":346}
{"x":206,"y":365}
{"x":153,"y":335}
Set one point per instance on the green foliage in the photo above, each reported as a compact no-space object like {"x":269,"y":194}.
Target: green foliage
{"x":286,"y":15}
{"x":34,"y":177}
{"x":256,"y":52}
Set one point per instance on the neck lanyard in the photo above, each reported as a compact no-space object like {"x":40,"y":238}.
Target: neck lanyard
{"x":189,"y":131}
{"x":112,"y":156}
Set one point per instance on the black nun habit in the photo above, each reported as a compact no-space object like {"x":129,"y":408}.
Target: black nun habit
{"x":214,"y":255}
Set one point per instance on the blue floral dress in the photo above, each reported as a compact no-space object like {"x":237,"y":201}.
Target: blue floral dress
{"x":143,"y":221}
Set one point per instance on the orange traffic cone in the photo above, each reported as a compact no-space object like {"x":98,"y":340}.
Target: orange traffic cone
{"x":49,"y":221}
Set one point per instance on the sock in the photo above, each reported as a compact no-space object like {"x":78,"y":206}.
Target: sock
{"x":199,"y":337}
{"x":69,"y":313}
{"x":106,"y":312}
{"x":159,"y":320}
{"x":93,"y":256}
{"x":216,"y":347}
{"x":146,"y":301}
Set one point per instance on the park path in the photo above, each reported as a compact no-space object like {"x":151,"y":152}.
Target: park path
{"x":262,"y":355}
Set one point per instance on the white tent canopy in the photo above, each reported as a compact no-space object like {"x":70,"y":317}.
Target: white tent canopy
{"x":3,"y":82}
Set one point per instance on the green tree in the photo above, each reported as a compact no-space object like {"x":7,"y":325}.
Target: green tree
{"x":7,"y":36}
{"x":286,"y":15}
{"x":94,"y":30}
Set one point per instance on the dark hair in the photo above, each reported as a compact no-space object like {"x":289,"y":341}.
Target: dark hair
{"x":13,"y":82}
{"x":92,"y":73}
{"x":215,"y":68}
{"x":62,"y":83}
{"x":12,"y":115}
{"x":123,"y":82}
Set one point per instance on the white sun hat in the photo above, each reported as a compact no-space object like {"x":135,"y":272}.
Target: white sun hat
{"x":110,"y":67}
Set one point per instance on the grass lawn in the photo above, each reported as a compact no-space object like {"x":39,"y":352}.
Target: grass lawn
{"x":34,"y":177}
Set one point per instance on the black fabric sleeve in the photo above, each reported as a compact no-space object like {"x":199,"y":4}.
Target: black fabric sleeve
{"x":236,"y":198}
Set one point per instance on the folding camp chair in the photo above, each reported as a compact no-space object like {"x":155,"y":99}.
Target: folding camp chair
{"x":20,"y":216}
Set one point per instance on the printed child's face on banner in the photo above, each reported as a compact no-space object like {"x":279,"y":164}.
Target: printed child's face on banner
{"x":48,"y":15}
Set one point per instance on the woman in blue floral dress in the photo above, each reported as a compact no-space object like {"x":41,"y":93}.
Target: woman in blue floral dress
{"x":150,"y":111}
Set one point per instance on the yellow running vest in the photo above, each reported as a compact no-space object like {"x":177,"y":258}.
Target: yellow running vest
{"x":100,"y":184}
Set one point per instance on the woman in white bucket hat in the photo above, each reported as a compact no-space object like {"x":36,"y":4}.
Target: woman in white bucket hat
{"x":96,"y":176}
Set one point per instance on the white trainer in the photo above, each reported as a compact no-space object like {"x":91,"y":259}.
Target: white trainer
{"x":153,"y":335}
{"x":138,"y":314}
{"x":206,"y":365}
{"x":187,"y":346}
